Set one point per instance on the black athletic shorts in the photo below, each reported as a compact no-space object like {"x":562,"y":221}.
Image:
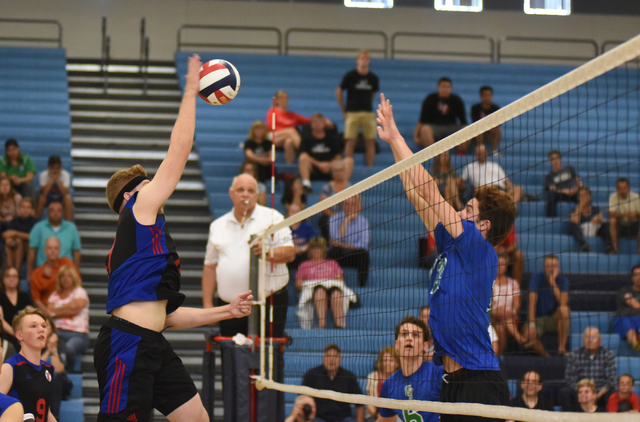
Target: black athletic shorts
{"x":137,"y":372}
{"x":469,"y":386}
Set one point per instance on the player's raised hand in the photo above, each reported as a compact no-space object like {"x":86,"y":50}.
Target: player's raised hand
{"x":387,"y":129}
{"x":193,"y":74}
{"x":240,"y":306}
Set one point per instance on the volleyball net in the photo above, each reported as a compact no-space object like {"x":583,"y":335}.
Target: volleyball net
{"x":375,"y":267}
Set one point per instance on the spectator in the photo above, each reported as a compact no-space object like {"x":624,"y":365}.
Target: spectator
{"x":226,"y":263}
{"x":387,"y":363}
{"x":16,"y":237}
{"x":43,"y":278}
{"x":560,"y":185}
{"x":590,"y":361}
{"x":60,"y":381}
{"x":424,"y":313}
{"x":624,"y":400}
{"x":548,"y":306}
{"x":627,"y":322}
{"x":624,"y":210}
{"x":12,"y":301}
{"x":302,"y":233}
{"x":587,"y":221}
{"x":54,"y":187}
{"x":322,"y":280}
{"x":449,"y":183}
{"x":9,"y":201}
{"x":331,"y":376}
{"x":304,"y":410}
{"x":442,"y":114}
{"x":481,"y":110}
{"x":18,"y":168}
{"x":320,"y":147}
{"x":349,"y":234}
{"x":531,"y":386}
{"x":293,"y":194}
{"x":339,"y":182}
{"x":257,"y":149}
{"x":68,"y":305}
{"x":286,"y":133}
{"x":361,"y":86}
{"x":65,"y":231}
{"x":248,"y":167}
{"x":505,"y":306}
{"x":487,"y":173}
{"x":587,"y":397}
{"x":509,"y":246}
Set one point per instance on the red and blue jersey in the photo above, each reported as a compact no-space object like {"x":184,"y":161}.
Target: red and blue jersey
{"x":31,"y":385}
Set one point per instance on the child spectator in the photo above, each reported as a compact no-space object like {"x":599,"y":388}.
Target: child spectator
{"x":624,"y":400}
{"x":387,"y":363}
{"x":248,"y":167}
{"x":16,"y":237}
{"x":12,"y":301}
{"x":18,"y":168}
{"x":9,"y":201}
{"x":257,"y":149}
{"x":54,"y":187}
{"x":587,"y":397}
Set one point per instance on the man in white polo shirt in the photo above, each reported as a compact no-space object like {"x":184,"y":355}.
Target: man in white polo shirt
{"x":487,"y":173}
{"x":226,"y":264}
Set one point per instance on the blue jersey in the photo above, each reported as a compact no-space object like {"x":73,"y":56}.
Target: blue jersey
{"x":143,"y":263}
{"x":461,"y":290}
{"x":424,"y":385}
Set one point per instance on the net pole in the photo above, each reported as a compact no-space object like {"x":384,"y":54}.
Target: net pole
{"x":263,"y":313}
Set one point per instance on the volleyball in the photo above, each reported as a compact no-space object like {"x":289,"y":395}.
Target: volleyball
{"x":219,"y":82}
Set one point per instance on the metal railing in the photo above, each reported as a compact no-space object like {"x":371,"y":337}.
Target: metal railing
{"x":182,"y":44}
{"x":144,"y":56}
{"x":288,"y":47}
{"x":608,"y":43}
{"x":490,"y":55}
{"x":105,"y":55}
{"x":57,"y":40}
{"x":500,"y":55}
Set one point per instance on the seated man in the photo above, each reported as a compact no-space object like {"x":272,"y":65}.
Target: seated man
{"x":349,"y":233}
{"x":319,"y":148}
{"x":16,"y":236}
{"x":590,"y":361}
{"x":304,"y":410}
{"x":624,"y":400}
{"x":560,"y":185}
{"x":483,"y":109}
{"x":442,"y":114}
{"x":624,"y":211}
{"x":531,"y":386}
{"x":331,"y":376}
{"x":627,"y":322}
{"x":487,"y":173}
{"x":43,"y":278}
{"x":301,"y":233}
{"x":54,"y":187}
{"x":548,"y":306}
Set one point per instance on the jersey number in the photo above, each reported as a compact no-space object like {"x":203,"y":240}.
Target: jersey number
{"x":40,"y":408}
{"x":412,"y":416}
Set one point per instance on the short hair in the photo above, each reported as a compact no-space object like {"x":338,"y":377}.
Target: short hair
{"x":633,"y":381}
{"x":391,"y":351}
{"x":27,"y":199}
{"x":233,"y":181}
{"x":587,"y":383}
{"x":622,"y":180}
{"x":550,"y":256}
{"x":410,"y":319}
{"x":554,"y":152}
{"x":67,"y":269}
{"x":535,"y":372}
{"x":54,"y":160}
{"x":317,"y":242}
{"x":365,"y":52}
{"x":634,"y":268}
{"x":496,"y":206}
{"x":332,"y":346}
{"x":485,"y":88}
{"x":119,"y":180}
{"x":445,"y":79}
{"x":52,"y":238}
{"x":16,"y":324}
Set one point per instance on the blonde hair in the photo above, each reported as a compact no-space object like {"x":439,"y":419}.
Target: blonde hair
{"x":256,"y":124}
{"x":387,"y":350}
{"x":119,"y":180}
{"x":317,"y":242}
{"x":67,"y":269}
{"x":16,"y":324}
{"x":587,"y":383}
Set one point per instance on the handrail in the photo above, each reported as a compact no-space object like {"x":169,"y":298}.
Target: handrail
{"x":288,"y":47}
{"x":500,"y":55}
{"x":144,"y":56}
{"x":105,"y":55}
{"x":489,"y":55}
{"x":277,"y":47}
{"x":57,"y":40}
{"x":603,"y":46}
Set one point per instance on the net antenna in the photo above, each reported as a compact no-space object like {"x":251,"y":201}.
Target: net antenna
{"x":610,"y":60}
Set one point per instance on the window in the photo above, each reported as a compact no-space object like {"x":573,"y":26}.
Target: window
{"x":547,"y":7}
{"x":371,"y":4}
{"x":458,"y":5}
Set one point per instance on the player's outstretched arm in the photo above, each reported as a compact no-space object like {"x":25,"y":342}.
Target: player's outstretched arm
{"x":437,"y":208}
{"x":181,"y":318}
{"x":154,"y":194}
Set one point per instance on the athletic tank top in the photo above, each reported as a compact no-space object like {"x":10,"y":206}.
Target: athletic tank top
{"x":143,"y":264}
{"x":31,"y":385}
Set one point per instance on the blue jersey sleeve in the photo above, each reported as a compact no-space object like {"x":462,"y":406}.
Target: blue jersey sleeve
{"x":384,"y":393}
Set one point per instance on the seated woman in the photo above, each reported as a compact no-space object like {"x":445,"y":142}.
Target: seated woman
{"x":12,"y":301}
{"x":68,"y":305}
{"x":293,"y":194}
{"x":339,"y":182}
{"x":9,"y":201}
{"x":587,"y":221}
{"x":387,"y":363}
{"x":257,"y":149}
{"x":19,"y":169}
{"x":587,"y":397}
{"x":248,"y":167}
{"x":449,"y":182}
{"x":321,"y":280}
{"x":286,"y":134}
{"x":505,"y":306}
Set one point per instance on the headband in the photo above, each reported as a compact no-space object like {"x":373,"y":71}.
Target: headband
{"x":127,"y":188}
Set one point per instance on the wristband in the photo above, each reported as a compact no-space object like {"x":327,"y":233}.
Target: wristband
{"x":532,"y":324}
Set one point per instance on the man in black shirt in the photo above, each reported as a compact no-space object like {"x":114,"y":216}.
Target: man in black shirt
{"x":330,"y":376}
{"x":531,"y":385}
{"x":361,"y":86}
{"x":482,"y":109}
{"x":442,"y":114}
{"x":320,"y":146}
{"x":560,"y":185}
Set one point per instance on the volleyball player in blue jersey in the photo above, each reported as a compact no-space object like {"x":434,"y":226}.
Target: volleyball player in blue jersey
{"x":461,"y":279}
{"x":137,"y":368}
{"x":416,"y":379}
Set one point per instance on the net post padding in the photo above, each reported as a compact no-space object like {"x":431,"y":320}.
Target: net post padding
{"x":470,"y":409}
{"x":588,"y":71}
